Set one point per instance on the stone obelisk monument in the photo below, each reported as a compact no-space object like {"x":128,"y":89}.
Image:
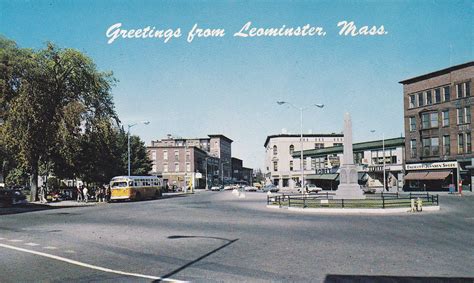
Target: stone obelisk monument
{"x":348,"y":187}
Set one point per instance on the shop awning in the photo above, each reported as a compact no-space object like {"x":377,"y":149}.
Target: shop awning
{"x":415,"y":176}
{"x":437,"y":175}
{"x":330,"y":177}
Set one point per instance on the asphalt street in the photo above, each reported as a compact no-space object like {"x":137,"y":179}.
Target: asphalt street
{"x":217,"y":237}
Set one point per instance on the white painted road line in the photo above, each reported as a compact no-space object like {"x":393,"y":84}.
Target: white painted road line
{"x":16,"y":240}
{"x":70,"y":251}
{"x":50,"y":248}
{"x":2,"y":239}
{"x":31,"y":244}
{"x":78,"y":263}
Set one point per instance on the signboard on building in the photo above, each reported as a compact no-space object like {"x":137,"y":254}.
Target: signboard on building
{"x":198,"y":175}
{"x":433,"y":165}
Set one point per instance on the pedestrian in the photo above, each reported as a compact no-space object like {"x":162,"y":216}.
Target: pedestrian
{"x":107,"y":193}
{"x":85,"y":191}
{"x":97,"y":194}
{"x":42,"y":194}
{"x":79,"y":194}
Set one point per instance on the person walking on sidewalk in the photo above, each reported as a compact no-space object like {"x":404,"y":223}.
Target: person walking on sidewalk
{"x":85,"y":191}
{"x":79,"y":194}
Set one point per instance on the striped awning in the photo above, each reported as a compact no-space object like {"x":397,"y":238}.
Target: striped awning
{"x":416,"y":176}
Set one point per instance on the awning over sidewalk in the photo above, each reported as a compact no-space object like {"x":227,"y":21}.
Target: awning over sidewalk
{"x":432,"y":175}
{"x":437,"y":175}
{"x":415,"y":176}
{"x":329,"y":177}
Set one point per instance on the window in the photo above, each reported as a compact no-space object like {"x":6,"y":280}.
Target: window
{"x":412,"y":121}
{"x":447,"y":93}
{"x":421,"y":101}
{"x":468,"y":88}
{"x":275,"y":150}
{"x":445,"y":117}
{"x":313,"y":163}
{"x":188,"y":167}
{"x":275,"y":166}
{"x":153,"y":168}
{"x":464,"y":115}
{"x":176,"y":155}
{"x":460,"y":143}
{"x":318,"y":145}
{"x":304,"y":164}
{"x":165,"y":155}
{"x":429,"y":120}
{"x":291,"y":165}
{"x":437,"y":95}
{"x":459,"y":90}
{"x":430,"y":146}
{"x":413,"y":148}
{"x":435,"y":146}
{"x":153,"y":155}
{"x":429,"y":98}
{"x":446,"y":145}
{"x":434,"y":120}
{"x":165,"y":167}
{"x":337,"y":144}
{"x":412,"y":101}
{"x":468,"y":143}
{"x":176,"y":167}
{"x":460,"y":114}
{"x":292,"y":149}
{"x":188,"y":155}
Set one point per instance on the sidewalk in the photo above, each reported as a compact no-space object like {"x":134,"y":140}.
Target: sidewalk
{"x":69,"y":203}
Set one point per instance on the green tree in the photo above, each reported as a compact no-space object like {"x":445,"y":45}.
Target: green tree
{"x":50,"y":100}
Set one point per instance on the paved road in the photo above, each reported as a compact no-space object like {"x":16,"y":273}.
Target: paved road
{"x":214,"y":236}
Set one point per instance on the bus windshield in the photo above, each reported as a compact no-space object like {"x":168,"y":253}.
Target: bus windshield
{"x":119,"y":184}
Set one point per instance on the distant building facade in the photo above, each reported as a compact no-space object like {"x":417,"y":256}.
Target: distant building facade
{"x":438,"y":128}
{"x":369,"y":158}
{"x":196,"y":160}
{"x":282,"y":168}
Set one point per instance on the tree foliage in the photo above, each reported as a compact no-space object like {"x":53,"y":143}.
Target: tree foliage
{"x":57,"y":113}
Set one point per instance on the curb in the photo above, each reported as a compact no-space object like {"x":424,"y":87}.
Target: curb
{"x":354,"y":210}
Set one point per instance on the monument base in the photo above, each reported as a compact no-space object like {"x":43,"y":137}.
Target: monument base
{"x":349,"y":191}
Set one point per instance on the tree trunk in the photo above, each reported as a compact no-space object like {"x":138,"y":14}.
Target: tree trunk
{"x":34,"y":183}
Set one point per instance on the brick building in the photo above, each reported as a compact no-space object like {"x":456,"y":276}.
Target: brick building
{"x":438,"y":131}
{"x":196,"y":160}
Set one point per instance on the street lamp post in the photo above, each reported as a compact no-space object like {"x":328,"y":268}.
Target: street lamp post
{"x":128,"y":140}
{"x":383,"y":156}
{"x":207,"y":175}
{"x":301,"y":109}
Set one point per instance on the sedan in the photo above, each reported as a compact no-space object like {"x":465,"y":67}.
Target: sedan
{"x":250,"y":189}
{"x":215,"y":188}
{"x":11,"y":197}
{"x":270,"y":188}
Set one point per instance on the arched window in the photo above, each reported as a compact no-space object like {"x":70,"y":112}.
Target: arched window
{"x":275,"y":150}
{"x":292,"y":149}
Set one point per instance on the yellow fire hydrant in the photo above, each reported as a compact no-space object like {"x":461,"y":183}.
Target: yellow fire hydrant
{"x":419,"y":204}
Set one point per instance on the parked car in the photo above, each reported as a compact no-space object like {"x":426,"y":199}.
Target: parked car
{"x":250,"y":189}
{"x":215,"y":188}
{"x":311,"y":188}
{"x":11,"y":197}
{"x":271,"y":188}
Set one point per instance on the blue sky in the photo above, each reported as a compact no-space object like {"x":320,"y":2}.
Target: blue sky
{"x":230,"y":85}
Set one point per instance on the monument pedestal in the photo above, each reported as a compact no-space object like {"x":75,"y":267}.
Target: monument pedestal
{"x":349,"y":191}
{"x":349,"y":187}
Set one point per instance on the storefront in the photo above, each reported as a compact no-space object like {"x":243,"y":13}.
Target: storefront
{"x":431,"y":176}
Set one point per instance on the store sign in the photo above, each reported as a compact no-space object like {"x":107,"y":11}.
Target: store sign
{"x":326,"y":171}
{"x":376,"y":168}
{"x":434,"y":165}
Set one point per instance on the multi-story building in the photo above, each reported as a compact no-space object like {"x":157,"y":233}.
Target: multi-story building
{"x":438,"y":128}
{"x":237,"y":166}
{"x":180,"y":159}
{"x":247,"y":175}
{"x":281,"y":168}
{"x":369,"y":158}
